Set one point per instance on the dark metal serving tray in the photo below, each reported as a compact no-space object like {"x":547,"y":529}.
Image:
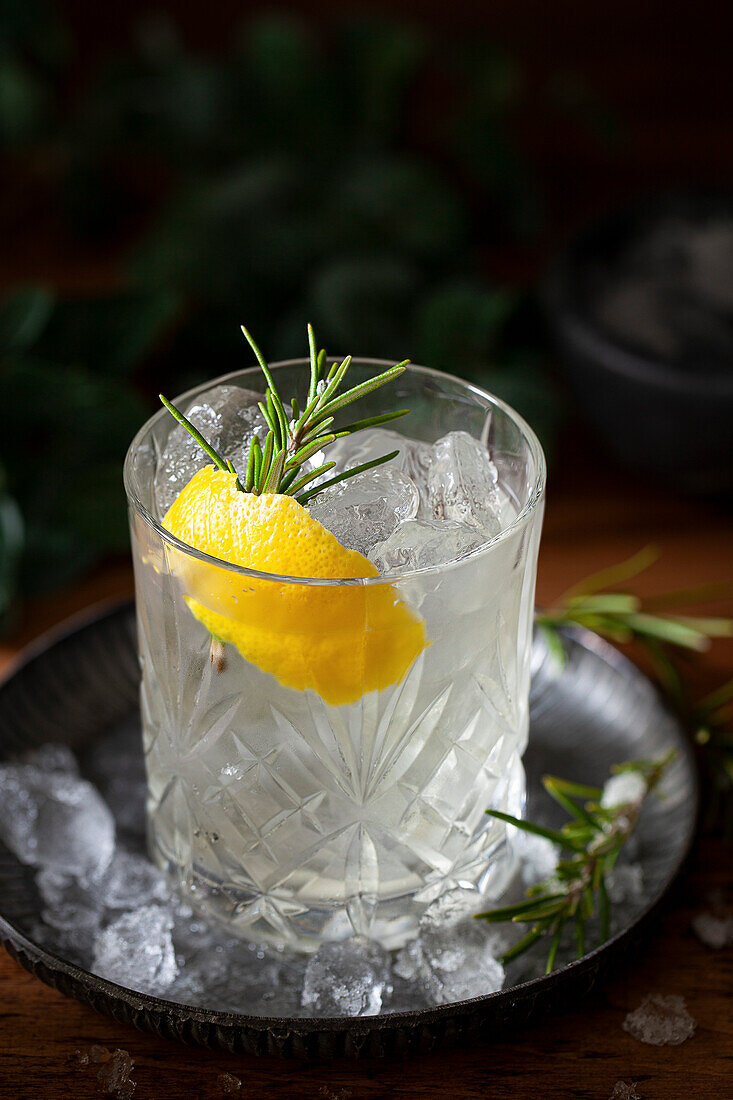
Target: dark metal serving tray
{"x":75,"y":683}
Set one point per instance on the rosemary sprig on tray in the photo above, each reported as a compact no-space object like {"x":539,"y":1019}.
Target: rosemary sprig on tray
{"x":294,"y":436}
{"x":591,"y":842}
{"x":655,"y":625}
{"x":623,"y":617}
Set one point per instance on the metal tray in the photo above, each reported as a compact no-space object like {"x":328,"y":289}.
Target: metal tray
{"x":73,"y":684}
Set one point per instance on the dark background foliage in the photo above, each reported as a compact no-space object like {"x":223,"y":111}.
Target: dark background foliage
{"x":172,"y":173}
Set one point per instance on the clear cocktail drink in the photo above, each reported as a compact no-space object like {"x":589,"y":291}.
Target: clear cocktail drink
{"x":297,"y":811}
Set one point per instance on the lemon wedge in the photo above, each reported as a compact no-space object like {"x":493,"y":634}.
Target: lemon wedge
{"x":341,"y":641}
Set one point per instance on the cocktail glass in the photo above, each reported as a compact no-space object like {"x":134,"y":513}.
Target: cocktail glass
{"x":297,"y":818}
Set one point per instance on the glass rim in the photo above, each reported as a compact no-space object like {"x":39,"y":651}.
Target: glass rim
{"x":522,"y":518}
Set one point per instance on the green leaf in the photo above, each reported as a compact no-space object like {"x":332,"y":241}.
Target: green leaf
{"x":372,"y":421}
{"x":23,"y":316}
{"x":267,"y":452}
{"x":303,"y":498}
{"x":269,"y":415}
{"x":522,"y":945}
{"x":580,"y":790}
{"x":668,"y":630}
{"x":313,"y":365}
{"x":539,"y":830}
{"x":552,"y":909}
{"x":274,"y":421}
{"x":320,"y":428}
{"x":256,"y":456}
{"x":553,"y":639}
{"x":274,"y":473}
{"x":712,"y":627}
{"x":554,"y":945}
{"x":334,"y":381}
{"x":699,"y":593}
{"x":558,"y":792}
{"x":614,"y":574}
{"x":194,"y":433}
{"x":520,"y":909}
{"x":612,"y":602}
{"x":308,"y":450}
{"x":362,"y":390}
{"x":249,"y":476}
{"x":272,"y":388}
{"x":294,"y":487}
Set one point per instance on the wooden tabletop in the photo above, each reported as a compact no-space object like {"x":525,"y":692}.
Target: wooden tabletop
{"x":594,"y":517}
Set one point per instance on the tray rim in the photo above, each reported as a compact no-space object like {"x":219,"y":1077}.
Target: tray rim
{"x":80,"y":983}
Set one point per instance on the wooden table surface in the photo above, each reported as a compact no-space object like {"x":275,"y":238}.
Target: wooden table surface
{"x":594,"y":518}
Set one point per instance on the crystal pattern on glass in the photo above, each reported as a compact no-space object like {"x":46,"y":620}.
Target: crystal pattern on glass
{"x":294,"y":821}
{"x":277,"y":807}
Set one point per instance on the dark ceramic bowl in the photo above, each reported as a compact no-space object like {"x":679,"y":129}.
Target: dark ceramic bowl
{"x":654,"y":413}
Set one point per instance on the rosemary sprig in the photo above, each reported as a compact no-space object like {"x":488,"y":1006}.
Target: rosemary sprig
{"x":275,"y":466}
{"x":624,"y":617}
{"x":591,"y":842}
{"x":654,"y":624}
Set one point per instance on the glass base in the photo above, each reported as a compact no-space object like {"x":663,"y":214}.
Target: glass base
{"x":288,"y":921}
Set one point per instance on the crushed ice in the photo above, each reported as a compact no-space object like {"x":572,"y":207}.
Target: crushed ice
{"x":451,"y":967}
{"x":346,"y":979}
{"x":626,"y":787}
{"x":228,"y":1084}
{"x":137,"y":950}
{"x":104,"y":905}
{"x":462,"y":484}
{"x":53,"y":818}
{"x":714,"y":926}
{"x":114,"y":1074}
{"x":625,"y":884}
{"x":367,"y":508}
{"x":538,"y":856}
{"x":714,"y":931}
{"x":622,"y":1091}
{"x":115,"y":915}
{"x":660,"y":1021}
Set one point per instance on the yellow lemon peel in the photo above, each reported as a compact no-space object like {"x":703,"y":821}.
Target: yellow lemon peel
{"x":341,"y":641}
